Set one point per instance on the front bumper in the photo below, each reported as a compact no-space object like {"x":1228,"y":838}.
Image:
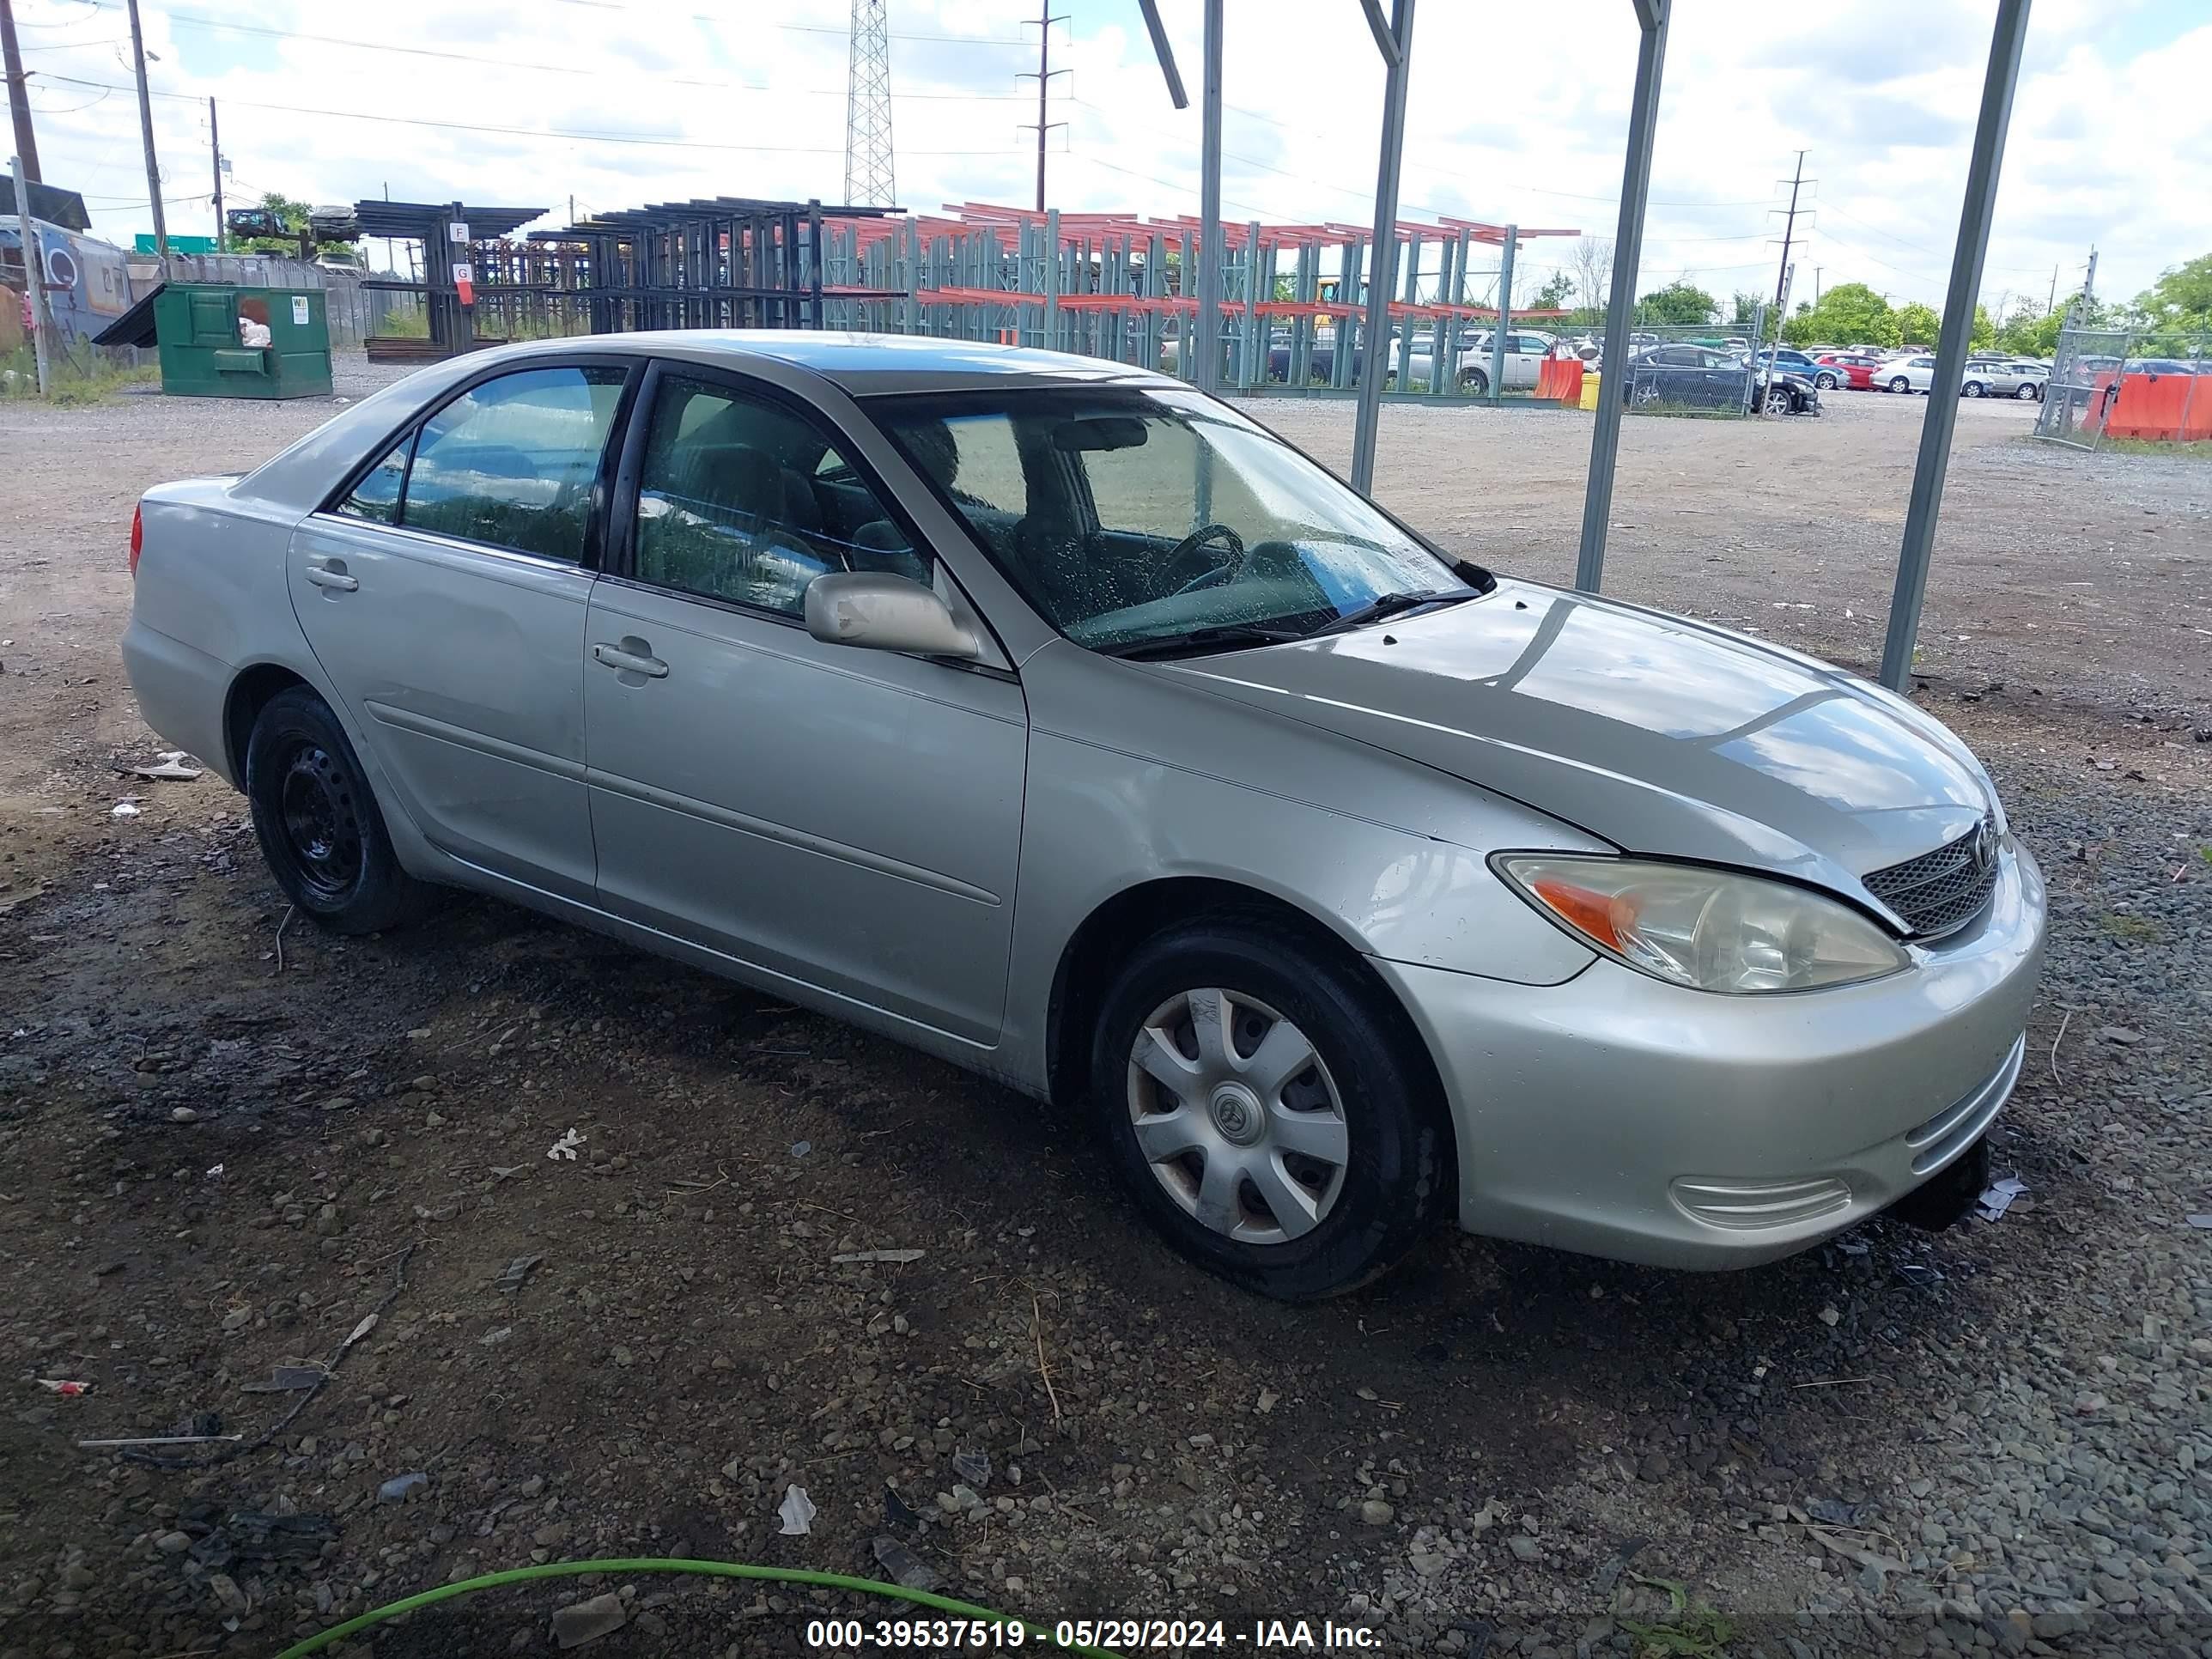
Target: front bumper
{"x":1620,"y":1116}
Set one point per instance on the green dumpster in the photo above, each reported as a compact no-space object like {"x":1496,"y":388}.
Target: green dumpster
{"x":208,"y":335}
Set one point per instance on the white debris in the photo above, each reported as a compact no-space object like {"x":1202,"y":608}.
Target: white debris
{"x":798,"y":1512}
{"x":126,"y":808}
{"x":169,"y":766}
{"x":566,"y":1147}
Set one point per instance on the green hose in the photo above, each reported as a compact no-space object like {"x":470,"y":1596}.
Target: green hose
{"x":713,"y":1569}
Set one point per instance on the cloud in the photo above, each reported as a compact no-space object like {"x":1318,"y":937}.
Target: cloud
{"x":1881,"y":93}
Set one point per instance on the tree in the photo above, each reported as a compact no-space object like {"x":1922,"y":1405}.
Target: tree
{"x":1555,"y":292}
{"x":1681,"y":303}
{"x":293,"y":216}
{"x":2181,"y":299}
{"x":1743,"y":306}
{"x":1592,"y":266}
{"x":1983,"y":334}
{"x":1849,"y":314}
{"x":1917,"y":325}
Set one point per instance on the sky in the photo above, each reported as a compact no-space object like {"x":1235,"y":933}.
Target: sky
{"x":618,"y":103}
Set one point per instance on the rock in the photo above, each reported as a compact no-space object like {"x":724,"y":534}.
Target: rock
{"x":1377,"y":1513}
{"x":173,"y":1543}
{"x":238,"y":1319}
{"x":183,"y":1114}
{"x":401,"y":1487}
{"x":1524,"y":1547}
{"x":227,"y":1591}
{"x":1653,"y":1468}
{"x":587,"y":1621}
{"x":1427,"y":1563}
{"x":2118,"y":1034}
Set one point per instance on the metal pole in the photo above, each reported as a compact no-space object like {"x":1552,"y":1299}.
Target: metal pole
{"x":146,"y":132}
{"x":1204,"y":372}
{"x":19,"y":93}
{"x":1044,"y":83}
{"x":41,"y":319}
{"x":1936,"y":429}
{"x":1164,"y":52}
{"x":215,"y":150}
{"x":1505,"y":313}
{"x":1652,"y":15}
{"x":1374,"y":357}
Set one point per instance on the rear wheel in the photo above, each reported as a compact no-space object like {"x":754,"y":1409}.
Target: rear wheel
{"x":318,"y":822}
{"x":1972,"y":388}
{"x":1826,"y":382}
{"x":2028,"y":392}
{"x":1475,"y":381}
{"x":1268,"y":1109}
{"x":1900,"y":384}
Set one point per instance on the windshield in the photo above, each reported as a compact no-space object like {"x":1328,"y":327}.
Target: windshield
{"x":1131,"y":515}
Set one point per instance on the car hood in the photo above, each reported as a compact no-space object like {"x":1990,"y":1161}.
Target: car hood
{"x":1662,"y":735}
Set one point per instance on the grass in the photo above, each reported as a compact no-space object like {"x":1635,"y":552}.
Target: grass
{"x":1693,"y":1629}
{"x":2141,"y":930}
{"x":2200,"y":451}
{"x":77,"y":377}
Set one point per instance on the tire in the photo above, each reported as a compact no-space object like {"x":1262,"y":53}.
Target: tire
{"x":1778,"y":401}
{"x":318,"y":823}
{"x":1476,"y":382}
{"x":1364,"y":1095}
{"x":1900,"y":384}
{"x":2027,"y":393}
{"x":1825,"y":382}
{"x":1971,"y":389}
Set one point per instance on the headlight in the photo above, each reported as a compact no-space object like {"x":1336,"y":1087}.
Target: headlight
{"x":1708,"y":929}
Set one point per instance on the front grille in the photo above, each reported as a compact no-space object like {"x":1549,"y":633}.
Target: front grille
{"x":1939,"y":892}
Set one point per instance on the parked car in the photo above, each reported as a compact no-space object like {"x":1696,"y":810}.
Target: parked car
{"x":1853,"y":369}
{"x":1997,"y":376}
{"x":1699,"y":377}
{"x":1790,"y":362}
{"x":1525,"y":351}
{"x":1906,"y":374}
{"x":1060,"y":721}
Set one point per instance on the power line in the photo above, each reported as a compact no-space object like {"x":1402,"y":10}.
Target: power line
{"x":197,"y":21}
{"x":569,"y":134}
{"x":799,"y":29}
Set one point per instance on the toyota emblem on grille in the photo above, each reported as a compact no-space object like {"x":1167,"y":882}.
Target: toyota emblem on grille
{"x":1986,"y":845}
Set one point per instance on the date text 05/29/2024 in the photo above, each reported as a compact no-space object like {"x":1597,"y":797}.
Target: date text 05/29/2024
{"x":1284,"y":1635}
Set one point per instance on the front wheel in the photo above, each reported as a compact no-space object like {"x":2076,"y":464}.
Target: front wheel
{"x":1974,"y":388}
{"x":1900,"y":384}
{"x":318,"y":822}
{"x":2026,"y":392}
{"x":1778,"y":401}
{"x":1826,"y":382}
{"x":1475,"y":381}
{"x":1268,"y":1109}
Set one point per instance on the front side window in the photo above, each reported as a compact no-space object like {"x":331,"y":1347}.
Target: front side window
{"x":512,"y":462}
{"x":1128,"y":517}
{"x":741,"y":499}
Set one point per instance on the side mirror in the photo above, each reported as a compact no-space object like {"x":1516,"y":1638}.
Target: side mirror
{"x":883,"y":612}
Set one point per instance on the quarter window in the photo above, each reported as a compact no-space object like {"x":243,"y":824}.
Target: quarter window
{"x":513,"y":462}
{"x":377,"y":495}
{"x":739,"y":499}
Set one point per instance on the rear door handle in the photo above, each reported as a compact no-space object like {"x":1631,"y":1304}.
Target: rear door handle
{"x":630,"y":662}
{"x":337,"y":580}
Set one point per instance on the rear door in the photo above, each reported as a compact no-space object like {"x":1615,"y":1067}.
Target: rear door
{"x":843,"y":818}
{"x":444,"y":595}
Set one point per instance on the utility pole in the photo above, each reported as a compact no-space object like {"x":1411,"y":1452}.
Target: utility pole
{"x":34,"y":286}
{"x":2089,"y":285}
{"x":1817,"y":269}
{"x":1045,"y":71}
{"x":19,"y":89}
{"x":214,"y":148}
{"x":2051,"y":304}
{"x":1790,"y":226}
{"x":1204,"y":333}
{"x":146,"y":132}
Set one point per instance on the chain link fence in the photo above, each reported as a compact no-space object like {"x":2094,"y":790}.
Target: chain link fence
{"x":1709,"y":369}
{"x":2125,"y":383}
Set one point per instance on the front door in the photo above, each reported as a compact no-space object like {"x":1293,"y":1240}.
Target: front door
{"x":847,"y":819}
{"x":444,"y":597}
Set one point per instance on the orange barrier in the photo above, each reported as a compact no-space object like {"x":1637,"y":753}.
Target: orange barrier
{"x":2161,"y":407}
{"x":1559,"y":379}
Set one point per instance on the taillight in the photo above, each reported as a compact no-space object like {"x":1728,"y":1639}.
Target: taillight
{"x":137,"y":536}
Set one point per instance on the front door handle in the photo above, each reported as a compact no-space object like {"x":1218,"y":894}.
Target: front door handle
{"x":336,"y":580}
{"x":624,"y":659}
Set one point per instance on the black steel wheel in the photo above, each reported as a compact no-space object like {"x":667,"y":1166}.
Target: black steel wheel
{"x":317,"y":820}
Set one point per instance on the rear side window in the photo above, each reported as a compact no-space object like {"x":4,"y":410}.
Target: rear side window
{"x":512,"y":462}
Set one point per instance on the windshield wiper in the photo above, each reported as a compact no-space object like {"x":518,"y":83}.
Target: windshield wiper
{"x":1228,"y":634}
{"x":1390,"y":605}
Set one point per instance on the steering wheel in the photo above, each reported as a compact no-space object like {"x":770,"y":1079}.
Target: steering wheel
{"x":1220,"y":573}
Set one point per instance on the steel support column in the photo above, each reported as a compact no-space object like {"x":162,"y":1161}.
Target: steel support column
{"x":1504,"y":313}
{"x":1651,"y":17}
{"x":1205,"y":372}
{"x":1942,"y":417}
{"x":1376,"y":338}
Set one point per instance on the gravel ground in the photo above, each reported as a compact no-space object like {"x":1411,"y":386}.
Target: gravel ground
{"x":223,"y":1142}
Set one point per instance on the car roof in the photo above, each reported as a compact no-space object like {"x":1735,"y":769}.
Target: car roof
{"x":865,"y":365}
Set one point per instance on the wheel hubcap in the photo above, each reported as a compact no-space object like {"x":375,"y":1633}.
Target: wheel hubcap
{"x":322,"y":826}
{"x":1238,"y":1116}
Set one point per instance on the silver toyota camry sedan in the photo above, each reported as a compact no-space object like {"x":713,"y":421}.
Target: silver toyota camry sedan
{"x":1058,"y":720}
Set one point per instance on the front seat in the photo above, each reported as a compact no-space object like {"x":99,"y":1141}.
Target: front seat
{"x":880,"y":545}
